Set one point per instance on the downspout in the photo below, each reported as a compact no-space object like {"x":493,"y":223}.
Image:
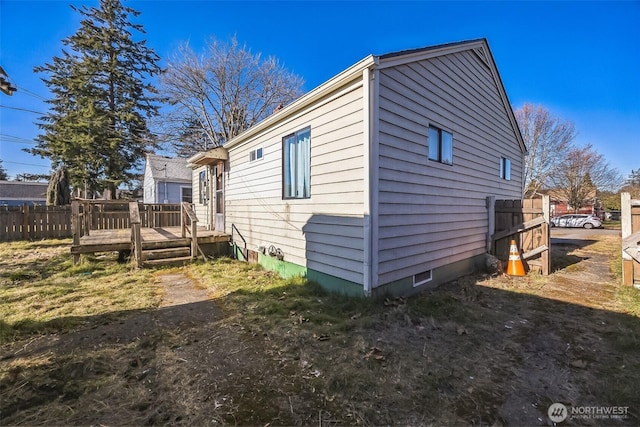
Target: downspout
{"x":370,"y":176}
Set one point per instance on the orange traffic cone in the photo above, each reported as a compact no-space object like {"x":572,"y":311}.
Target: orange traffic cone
{"x":515,"y":267}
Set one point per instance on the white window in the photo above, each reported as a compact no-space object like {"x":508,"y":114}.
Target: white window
{"x":296,"y":165}
{"x":185,"y":194}
{"x":255,"y":154}
{"x":422,"y":278}
{"x":440,"y":145}
{"x":203,"y":188}
{"x":505,"y":168}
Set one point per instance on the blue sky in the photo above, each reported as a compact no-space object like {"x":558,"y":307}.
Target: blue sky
{"x":581,"y":60}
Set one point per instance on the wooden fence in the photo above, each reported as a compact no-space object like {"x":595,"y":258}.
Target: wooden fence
{"x":630,"y":219}
{"x":50,"y":222}
{"x":34,"y":222}
{"x":525,"y":221}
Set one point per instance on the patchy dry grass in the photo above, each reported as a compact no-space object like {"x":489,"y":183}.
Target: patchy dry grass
{"x":42,"y":291}
{"x":477,"y":351}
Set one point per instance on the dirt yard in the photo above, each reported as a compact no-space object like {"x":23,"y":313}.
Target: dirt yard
{"x":478,"y":351}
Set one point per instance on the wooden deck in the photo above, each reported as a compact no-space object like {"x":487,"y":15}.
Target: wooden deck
{"x":115,"y":240}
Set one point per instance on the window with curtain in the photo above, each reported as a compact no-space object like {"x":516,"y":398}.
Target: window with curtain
{"x":296,"y":165}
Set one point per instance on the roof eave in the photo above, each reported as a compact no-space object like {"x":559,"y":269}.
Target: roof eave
{"x":351,"y":73}
{"x":209,"y":157}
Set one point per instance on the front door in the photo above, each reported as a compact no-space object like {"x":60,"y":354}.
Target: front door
{"x":218,"y":187}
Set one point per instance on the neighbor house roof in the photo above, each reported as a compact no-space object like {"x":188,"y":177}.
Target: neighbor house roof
{"x":20,"y":190}
{"x":479,"y":46}
{"x":560,"y":196}
{"x":176,"y":169}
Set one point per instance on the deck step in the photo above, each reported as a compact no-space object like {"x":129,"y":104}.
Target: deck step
{"x":167,"y":262}
{"x":175,"y":243}
{"x":177,"y":252}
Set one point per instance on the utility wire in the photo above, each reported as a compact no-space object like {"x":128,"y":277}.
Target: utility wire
{"x":21,"y":109}
{"x":17,"y":142}
{"x":28,"y":92}
{"x":11,"y":138}
{"x":26,"y":164}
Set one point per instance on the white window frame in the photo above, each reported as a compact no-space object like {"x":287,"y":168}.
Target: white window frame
{"x":422,"y":281}
{"x":298,"y":179}
{"x":203,"y":197}
{"x":255,"y":155}
{"x":182,"y":188}
{"x":438,"y":140}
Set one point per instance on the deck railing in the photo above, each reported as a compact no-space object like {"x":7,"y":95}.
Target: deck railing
{"x":189,"y":224}
{"x":89,"y":215}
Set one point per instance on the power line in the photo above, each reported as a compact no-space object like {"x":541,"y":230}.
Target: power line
{"x":26,"y":164}
{"x":18,"y":142}
{"x":11,"y":138}
{"x":28,"y":92}
{"x":21,"y":109}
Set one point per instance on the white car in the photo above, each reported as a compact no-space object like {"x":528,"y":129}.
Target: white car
{"x":576,"y":220}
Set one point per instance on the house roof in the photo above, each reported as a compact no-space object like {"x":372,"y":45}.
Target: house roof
{"x":176,"y":169}
{"x":560,"y":196}
{"x":20,"y":190}
{"x":479,"y":46}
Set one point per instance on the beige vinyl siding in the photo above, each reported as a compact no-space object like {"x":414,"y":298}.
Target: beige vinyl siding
{"x":432,"y":214}
{"x":323,"y":232}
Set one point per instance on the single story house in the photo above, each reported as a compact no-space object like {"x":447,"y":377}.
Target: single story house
{"x":17,"y":193}
{"x":376,"y":181}
{"x":166,"y":180}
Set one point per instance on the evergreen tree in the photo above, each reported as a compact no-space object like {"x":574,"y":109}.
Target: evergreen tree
{"x":634,"y":178}
{"x":97,"y":124}
{"x":3,"y":173}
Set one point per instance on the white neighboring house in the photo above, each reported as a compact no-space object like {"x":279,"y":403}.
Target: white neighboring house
{"x":376,"y":181}
{"x":166,"y":180}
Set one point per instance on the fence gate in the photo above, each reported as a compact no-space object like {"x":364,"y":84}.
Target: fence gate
{"x":630,"y":210}
{"x":525,"y":221}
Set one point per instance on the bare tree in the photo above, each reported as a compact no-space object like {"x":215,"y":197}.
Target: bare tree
{"x":583,"y":173}
{"x":220,"y":93}
{"x":548,"y":139}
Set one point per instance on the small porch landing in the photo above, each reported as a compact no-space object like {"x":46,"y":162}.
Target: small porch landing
{"x":155,"y":234}
{"x":120,"y":239}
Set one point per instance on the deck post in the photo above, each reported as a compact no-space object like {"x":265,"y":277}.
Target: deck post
{"x":75,"y":227}
{"x":183,"y":220}
{"x":136,"y":234}
{"x":85,"y":218}
{"x":194,"y":238}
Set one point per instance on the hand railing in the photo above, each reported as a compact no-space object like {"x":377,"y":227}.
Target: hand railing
{"x":189,"y":224}
{"x":233,"y":242}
